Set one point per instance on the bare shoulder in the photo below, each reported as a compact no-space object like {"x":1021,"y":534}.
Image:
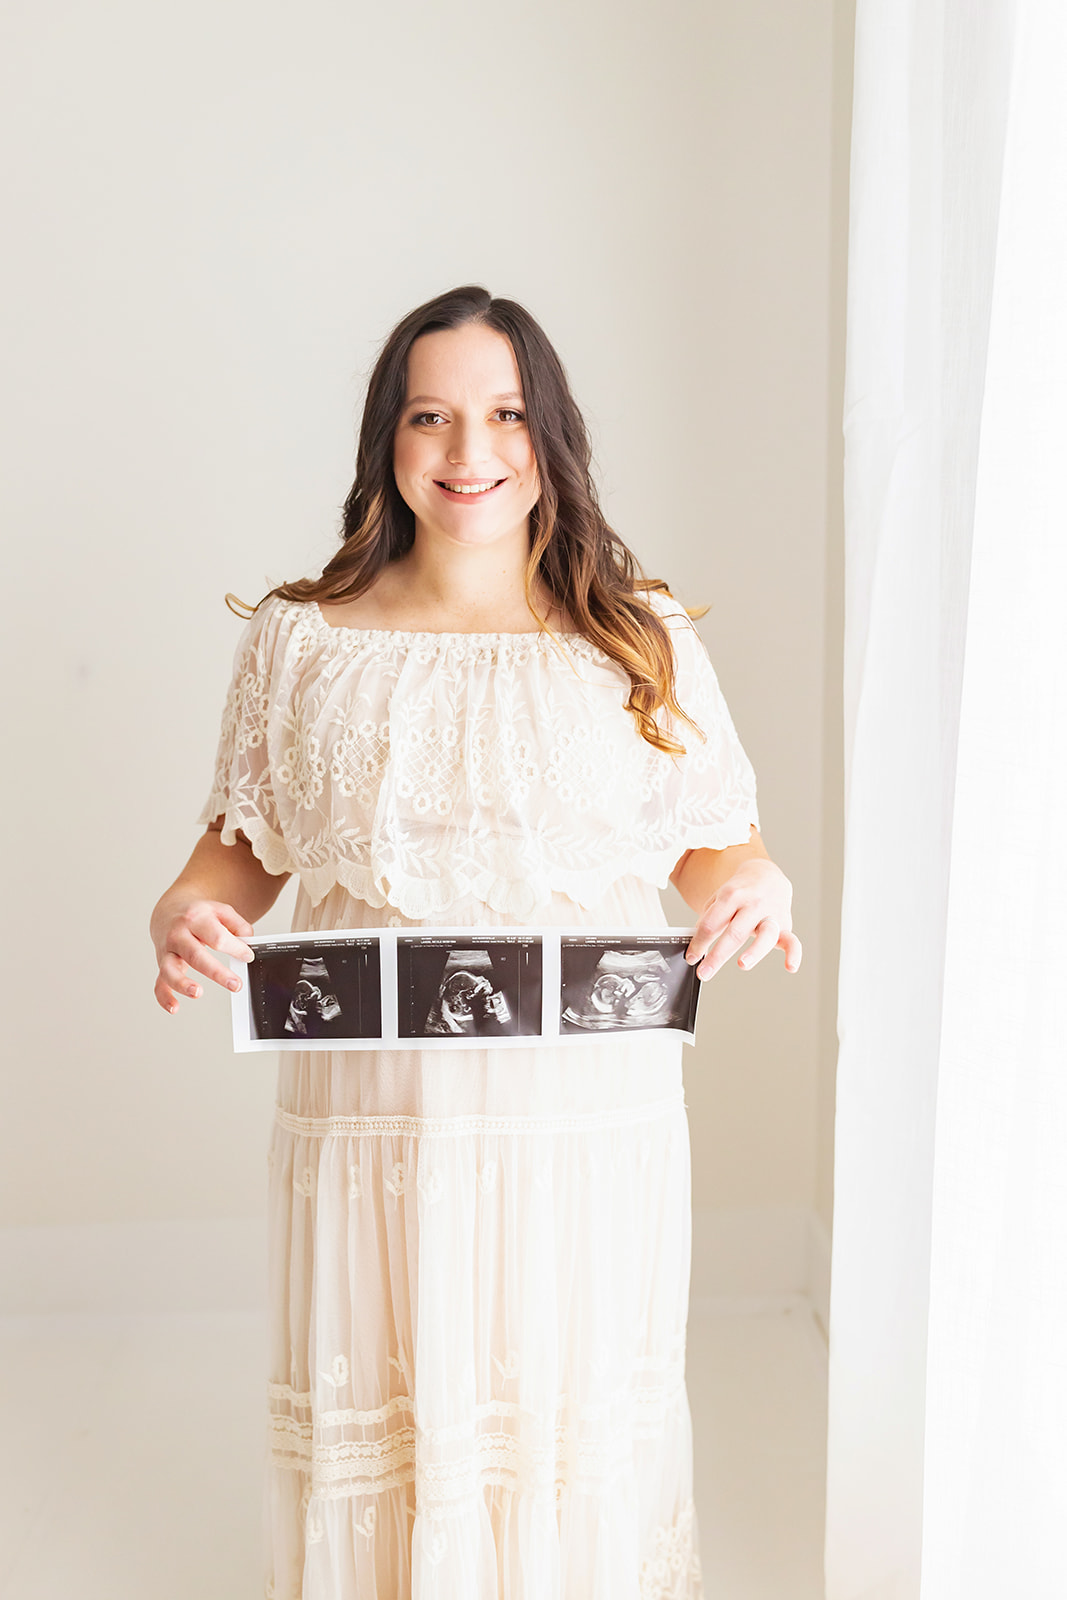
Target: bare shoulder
{"x":394,"y":603}
{"x":376,"y":607}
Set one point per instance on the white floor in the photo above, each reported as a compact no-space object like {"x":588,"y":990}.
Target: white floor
{"x":757,"y":1391}
{"x":132,"y":1450}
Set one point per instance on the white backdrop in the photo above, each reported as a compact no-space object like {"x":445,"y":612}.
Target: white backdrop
{"x":213,"y":214}
{"x":948,"y":1388}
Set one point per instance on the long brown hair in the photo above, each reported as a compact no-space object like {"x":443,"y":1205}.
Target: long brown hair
{"x":589,"y":572}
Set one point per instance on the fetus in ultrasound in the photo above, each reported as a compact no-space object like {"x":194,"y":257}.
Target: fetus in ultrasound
{"x":468,"y":1000}
{"x":313,"y":999}
{"x":626,"y":990}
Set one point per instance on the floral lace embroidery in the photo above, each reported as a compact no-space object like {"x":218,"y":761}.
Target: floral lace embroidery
{"x":338,"y":1374}
{"x":397,"y":1182}
{"x":431,"y":1185}
{"x":349,"y":1452}
{"x":418,"y":769}
{"x":508,"y":1368}
{"x":367,"y":1525}
{"x":673,"y":1572}
{"x":358,"y":759}
{"x":487,"y":1177}
{"x":302,"y":768}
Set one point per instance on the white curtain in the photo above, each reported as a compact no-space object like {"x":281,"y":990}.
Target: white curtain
{"x":947,"y":1446}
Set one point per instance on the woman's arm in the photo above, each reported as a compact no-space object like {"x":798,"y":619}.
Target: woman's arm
{"x":211,"y":905}
{"x":737,"y":892}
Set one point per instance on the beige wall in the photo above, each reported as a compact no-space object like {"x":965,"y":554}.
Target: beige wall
{"x":833,"y":804}
{"x":220,"y":209}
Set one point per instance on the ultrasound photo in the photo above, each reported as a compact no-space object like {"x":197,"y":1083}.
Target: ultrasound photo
{"x":621,"y":985}
{"x":479,"y":988}
{"x":329,"y":990}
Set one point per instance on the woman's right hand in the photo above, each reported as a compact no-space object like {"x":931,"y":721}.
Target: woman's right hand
{"x":185,"y":937}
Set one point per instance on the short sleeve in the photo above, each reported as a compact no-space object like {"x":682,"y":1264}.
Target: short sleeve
{"x":242,"y":792}
{"x":716,"y":793}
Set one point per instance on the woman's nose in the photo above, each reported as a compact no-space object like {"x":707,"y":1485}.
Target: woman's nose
{"x":468,"y":445}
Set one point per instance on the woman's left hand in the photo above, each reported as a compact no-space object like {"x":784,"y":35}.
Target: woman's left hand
{"x":755,"y":899}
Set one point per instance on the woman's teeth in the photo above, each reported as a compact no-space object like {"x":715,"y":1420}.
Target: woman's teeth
{"x":470,"y":488}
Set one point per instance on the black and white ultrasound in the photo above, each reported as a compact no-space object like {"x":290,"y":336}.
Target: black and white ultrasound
{"x":479,"y":988}
{"x":329,"y":990}
{"x":623,"y":985}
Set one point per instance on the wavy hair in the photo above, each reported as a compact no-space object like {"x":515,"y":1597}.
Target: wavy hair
{"x":590,"y":574}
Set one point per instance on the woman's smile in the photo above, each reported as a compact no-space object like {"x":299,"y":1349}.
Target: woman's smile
{"x":468,"y":488}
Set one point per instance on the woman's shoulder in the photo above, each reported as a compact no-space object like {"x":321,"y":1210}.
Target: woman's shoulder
{"x":271,"y":616}
{"x":667,"y":607}
{"x":273,"y":632}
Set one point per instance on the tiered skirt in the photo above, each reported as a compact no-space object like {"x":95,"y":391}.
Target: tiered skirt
{"x":479,"y":1274}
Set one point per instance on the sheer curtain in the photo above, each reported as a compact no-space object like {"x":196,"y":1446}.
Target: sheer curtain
{"x":947,"y":1446}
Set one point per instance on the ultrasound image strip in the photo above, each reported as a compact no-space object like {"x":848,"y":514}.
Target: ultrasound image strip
{"x":442,"y":988}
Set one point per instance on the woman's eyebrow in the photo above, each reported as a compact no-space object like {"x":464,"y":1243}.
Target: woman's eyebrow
{"x":427,"y":399}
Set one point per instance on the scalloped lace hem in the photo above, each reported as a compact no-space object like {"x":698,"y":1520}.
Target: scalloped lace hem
{"x":423,"y":900}
{"x":267,"y":846}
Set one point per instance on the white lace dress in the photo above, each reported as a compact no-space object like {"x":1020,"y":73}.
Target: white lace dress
{"x":479,"y":1259}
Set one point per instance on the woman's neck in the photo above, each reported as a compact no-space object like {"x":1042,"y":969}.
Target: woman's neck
{"x":466,"y":588}
{"x":445,"y":587}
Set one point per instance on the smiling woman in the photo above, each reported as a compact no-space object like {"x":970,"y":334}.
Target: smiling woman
{"x":437,"y":411}
{"x":479,"y":715}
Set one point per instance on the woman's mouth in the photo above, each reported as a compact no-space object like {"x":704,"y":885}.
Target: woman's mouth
{"x":468,"y":488}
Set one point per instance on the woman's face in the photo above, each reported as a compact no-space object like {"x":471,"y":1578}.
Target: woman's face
{"x":463,"y":427}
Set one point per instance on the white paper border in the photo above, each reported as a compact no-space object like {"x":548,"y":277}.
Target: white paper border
{"x":551,"y":945}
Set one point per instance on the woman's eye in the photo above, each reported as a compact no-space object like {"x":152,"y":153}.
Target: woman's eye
{"x":504,"y":411}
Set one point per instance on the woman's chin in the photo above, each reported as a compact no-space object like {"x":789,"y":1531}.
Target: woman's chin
{"x":463,"y":534}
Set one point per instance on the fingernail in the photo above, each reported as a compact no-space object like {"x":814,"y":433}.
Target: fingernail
{"x":233,"y":984}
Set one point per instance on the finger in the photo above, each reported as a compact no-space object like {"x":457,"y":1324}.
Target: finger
{"x":207,"y":925}
{"x":718,"y":914}
{"x":234,"y":921}
{"x":731,"y":939}
{"x":174,"y":971}
{"x":226,"y":944}
{"x":200,"y":959}
{"x":185,"y":943}
{"x":165,"y":996}
{"x":766,"y":939}
{"x":235,"y":929}
{"x":793,"y":951}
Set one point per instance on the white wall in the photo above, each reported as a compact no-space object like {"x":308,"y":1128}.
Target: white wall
{"x":217,"y":213}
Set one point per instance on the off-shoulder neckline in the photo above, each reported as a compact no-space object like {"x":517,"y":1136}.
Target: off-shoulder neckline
{"x":318,"y":617}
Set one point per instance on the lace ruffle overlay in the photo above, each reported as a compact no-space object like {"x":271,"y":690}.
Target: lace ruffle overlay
{"x":419,"y":770}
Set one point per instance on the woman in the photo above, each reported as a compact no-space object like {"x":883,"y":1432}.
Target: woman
{"x":479,"y":1259}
